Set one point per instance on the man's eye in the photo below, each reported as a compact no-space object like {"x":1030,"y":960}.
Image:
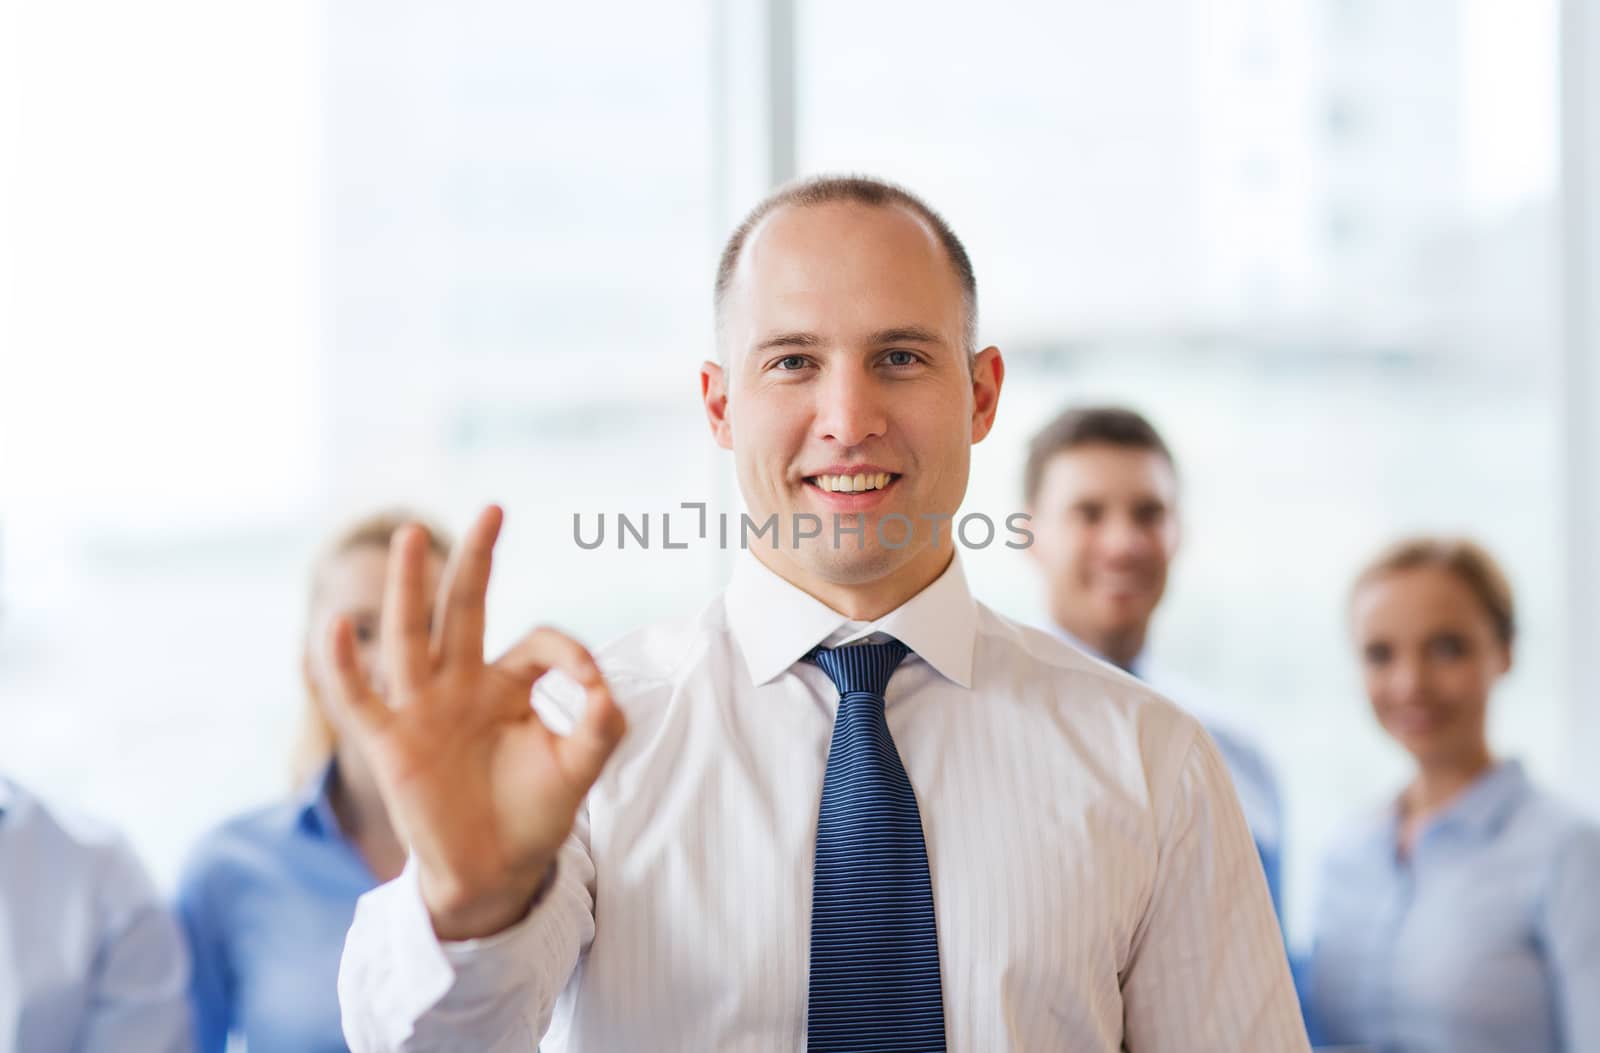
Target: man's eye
{"x":902,"y":358}
{"x":790,"y":363}
{"x":365,"y":632}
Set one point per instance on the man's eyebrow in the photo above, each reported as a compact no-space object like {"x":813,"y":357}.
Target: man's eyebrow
{"x":796,"y":339}
{"x":906,"y":334}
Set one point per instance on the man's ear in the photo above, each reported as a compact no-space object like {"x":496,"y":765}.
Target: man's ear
{"x":714,"y":395}
{"x":988,"y":373}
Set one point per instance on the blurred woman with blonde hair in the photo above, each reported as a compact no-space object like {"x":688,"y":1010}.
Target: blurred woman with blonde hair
{"x":266,"y":898}
{"x":1464,"y":915}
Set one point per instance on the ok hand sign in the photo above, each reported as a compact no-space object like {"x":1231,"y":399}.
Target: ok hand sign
{"x":482,"y":790}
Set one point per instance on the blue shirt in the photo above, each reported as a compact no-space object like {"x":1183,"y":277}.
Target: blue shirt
{"x":91,"y":961}
{"x":1487,"y":939}
{"x":266,"y":901}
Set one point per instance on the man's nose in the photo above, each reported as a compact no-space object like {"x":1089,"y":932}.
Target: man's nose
{"x":851,"y":407}
{"x":1122,"y":538}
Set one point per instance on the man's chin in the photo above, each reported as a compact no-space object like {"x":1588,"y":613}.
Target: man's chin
{"x":846,"y":564}
{"x":1124,"y":611}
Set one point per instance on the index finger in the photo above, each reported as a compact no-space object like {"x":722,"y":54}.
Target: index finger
{"x":545,"y":649}
{"x":583,"y":751}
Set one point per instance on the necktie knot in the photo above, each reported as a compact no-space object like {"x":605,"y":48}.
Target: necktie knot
{"x":860,"y":668}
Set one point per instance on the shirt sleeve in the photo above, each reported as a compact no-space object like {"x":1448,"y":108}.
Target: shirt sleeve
{"x":1208,"y":971}
{"x":211,"y":979}
{"x":1570,"y":924}
{"x":136,"y":1000}
{"x":400,"y":988}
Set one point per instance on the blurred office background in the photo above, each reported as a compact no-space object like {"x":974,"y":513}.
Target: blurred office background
{"x":267,"y":265}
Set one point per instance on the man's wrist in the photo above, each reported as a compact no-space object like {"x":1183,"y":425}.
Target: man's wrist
{"x":489,"y":915}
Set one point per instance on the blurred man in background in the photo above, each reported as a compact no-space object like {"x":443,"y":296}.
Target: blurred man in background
{"x":90,"y":959}
{"x":1102,"y":487}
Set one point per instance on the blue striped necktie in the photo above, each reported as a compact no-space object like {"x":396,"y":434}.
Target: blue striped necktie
{"x":874,"y":948}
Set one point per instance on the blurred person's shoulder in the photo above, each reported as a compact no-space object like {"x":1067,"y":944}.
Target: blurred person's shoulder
{"x":54,"y":825}
{"x":75,"y":853}
{"x":240,"y":846}
{"x":1546,"y":818}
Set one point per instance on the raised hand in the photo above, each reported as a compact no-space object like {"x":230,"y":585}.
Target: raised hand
{"x":482,"y":790}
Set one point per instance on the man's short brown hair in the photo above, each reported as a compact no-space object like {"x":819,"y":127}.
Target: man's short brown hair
{"x":1089,"y":426}
{"x":861,"y":190}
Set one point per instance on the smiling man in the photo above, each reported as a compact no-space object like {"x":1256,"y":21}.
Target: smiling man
{"x":853,"y":809}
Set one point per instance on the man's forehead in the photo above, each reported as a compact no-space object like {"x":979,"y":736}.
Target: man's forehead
{"x":1108,"y":470}
{"x":844,"y":266}
{"x":797,"y":218}
{"x":795,"y":239}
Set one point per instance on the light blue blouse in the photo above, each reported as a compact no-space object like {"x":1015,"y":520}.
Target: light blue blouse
{"x":1486,"y":940}
{"x":266,"y":901}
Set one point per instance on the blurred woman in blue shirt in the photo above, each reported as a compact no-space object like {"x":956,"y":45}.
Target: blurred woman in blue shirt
{"x":267,"y":898}
{"x":1464,"y":917}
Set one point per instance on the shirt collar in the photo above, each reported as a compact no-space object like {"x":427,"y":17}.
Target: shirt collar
{"x":314,"y":806}
{"x":774,"y":623}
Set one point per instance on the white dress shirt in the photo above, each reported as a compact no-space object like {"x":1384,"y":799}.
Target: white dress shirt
{"x":1094,"y":883}
{"x":1253,"y":779}
{"x":91,"y":961}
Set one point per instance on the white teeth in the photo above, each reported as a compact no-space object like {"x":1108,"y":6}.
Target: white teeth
{"x":853,"y":484}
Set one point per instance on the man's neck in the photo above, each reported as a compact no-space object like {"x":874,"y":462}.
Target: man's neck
{"x":1119,"y":647}
{"x":863,"y":601}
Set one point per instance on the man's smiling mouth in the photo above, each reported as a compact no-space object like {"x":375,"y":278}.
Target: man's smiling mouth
{"x":852,"y":484}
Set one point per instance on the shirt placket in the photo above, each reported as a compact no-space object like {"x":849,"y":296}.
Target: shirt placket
{"x":1397,"y":914}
